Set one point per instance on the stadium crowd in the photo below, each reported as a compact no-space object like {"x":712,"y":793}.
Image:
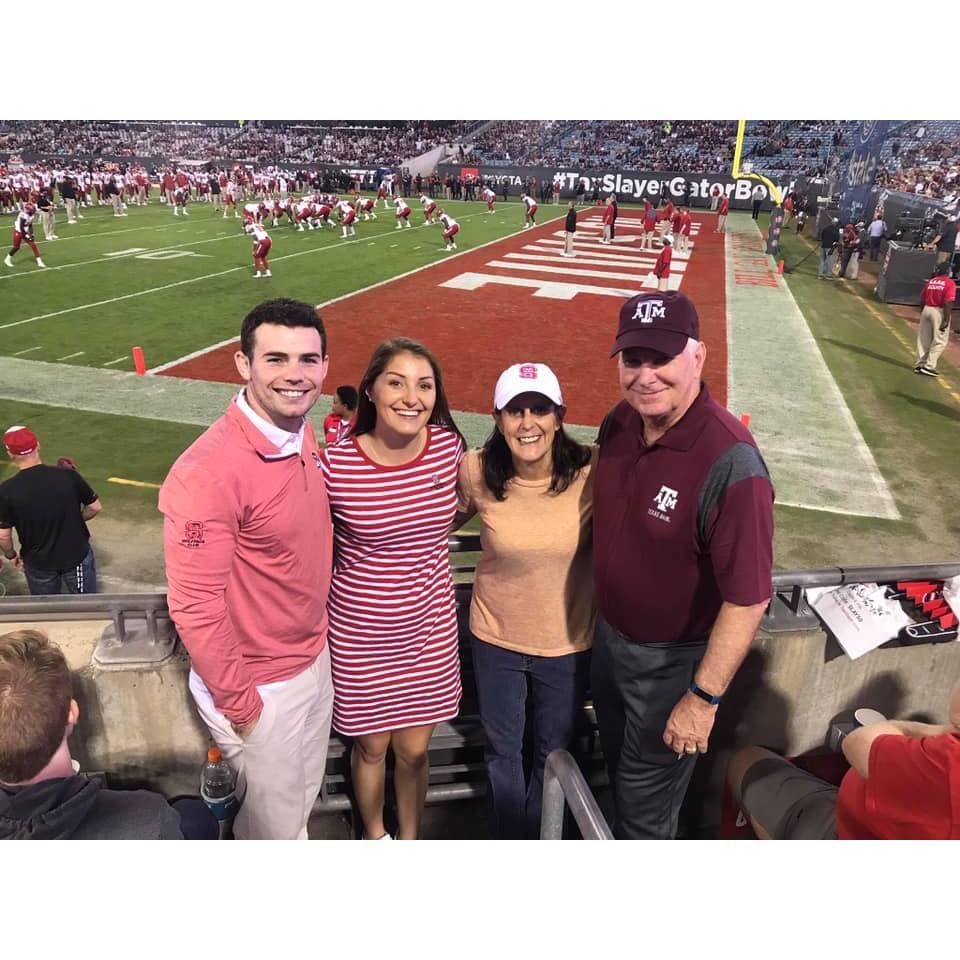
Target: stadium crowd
{"x":924,"y":158}
{"x":114,"y":139}
{"x":388,"y":144}
{"x":659,"y":144}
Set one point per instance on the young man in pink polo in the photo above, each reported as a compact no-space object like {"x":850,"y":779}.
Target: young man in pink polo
{"x":249,"y":546}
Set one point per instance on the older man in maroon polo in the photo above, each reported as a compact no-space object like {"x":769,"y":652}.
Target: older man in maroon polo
{"x":683,"y":555}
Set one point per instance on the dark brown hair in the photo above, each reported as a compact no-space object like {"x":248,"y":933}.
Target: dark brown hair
{"x":35,"y":693}
{"x":366,"y":418}
{"x":285,"y":313}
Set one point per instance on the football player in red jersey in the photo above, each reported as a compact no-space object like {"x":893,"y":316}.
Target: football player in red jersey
{"x":347,"y":216}
{"x":429,"y":209}
{"x":365,"y":207}
{"x":23,"y":231}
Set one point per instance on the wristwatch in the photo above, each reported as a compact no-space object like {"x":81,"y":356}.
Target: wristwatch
{"x":703,"y":695}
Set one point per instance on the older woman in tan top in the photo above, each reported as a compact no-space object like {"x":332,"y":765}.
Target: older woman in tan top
{"x":532,"y":613}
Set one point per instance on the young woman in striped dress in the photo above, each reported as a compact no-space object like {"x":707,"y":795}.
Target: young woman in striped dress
{"x":393,"y":627}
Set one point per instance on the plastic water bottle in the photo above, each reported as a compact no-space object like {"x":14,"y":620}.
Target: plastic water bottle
{"x":218,"y":788}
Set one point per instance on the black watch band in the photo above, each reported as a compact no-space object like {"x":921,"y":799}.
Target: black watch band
{"x":703,"y":695}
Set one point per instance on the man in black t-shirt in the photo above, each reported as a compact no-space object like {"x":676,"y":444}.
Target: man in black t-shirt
{"x":48,"y":507}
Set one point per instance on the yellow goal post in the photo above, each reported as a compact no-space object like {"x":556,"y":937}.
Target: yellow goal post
{"x":739,"y":174}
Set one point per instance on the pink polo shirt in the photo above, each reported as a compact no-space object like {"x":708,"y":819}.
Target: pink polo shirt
{"x":248,"y":543}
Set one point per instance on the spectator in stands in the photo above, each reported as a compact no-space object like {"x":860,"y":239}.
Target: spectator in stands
{"x":875,"y":234}
{"x":248,"y":546}
{"x":902,"y":785}
{"x":393,"y":619}
{"x":829,"y":244}
{"x":42,"y":796}
{"x":531,"y":486}
{"x":49,"y":507}
{"x":683,"y":554}
{"x":337,"y":425}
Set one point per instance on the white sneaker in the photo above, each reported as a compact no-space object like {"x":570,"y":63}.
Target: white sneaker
{"x":256,"y":276}
{"x":7,"y":260}
{"x":268,"y":274}
{"x":386,"y":836}
{"x":54,"y":237}
{"x":40,"y":263}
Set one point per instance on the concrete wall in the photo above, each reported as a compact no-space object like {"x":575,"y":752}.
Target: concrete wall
{"x":140,"y":726}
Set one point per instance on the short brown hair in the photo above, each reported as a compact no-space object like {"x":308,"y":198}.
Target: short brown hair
{"x":35,"y":694}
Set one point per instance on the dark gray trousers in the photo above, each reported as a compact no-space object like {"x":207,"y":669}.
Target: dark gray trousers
{"x":635,"y":686}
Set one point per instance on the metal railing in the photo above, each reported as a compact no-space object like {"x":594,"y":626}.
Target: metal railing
{"x":142,"y":632}
{"x":565,"y":786}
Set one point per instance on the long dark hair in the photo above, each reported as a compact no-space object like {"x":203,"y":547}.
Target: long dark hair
{"x":366,"y":411}
{"x":569,"y":458}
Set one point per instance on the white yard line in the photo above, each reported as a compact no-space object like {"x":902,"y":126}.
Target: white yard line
{"x":817,"y":456}
{"x":20,"y":353}
{"x":110,"y":363}
{"x":70,"y":356}
{"x":123,"y":255}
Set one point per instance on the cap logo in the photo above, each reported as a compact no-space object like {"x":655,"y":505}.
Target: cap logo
{"x":650,"y":310}
{"x":528,"y":371}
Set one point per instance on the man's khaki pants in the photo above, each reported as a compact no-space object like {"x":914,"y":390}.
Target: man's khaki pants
{"x":280,"y":765}
{"x":930,"y":341}
{"x":47,"y":219}
{"x":71,"y":210}
{"x":568,"y":243}
{"x":117,"y":202}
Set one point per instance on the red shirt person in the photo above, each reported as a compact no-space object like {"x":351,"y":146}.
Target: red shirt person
{"x":937,"y":299}
{"x":661,"y":269}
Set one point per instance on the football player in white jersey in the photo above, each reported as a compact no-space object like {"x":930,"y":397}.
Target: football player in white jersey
{"x":429,"y":209}
{"x":531,"y":206}
{"x":261,"y":247}
{"x":402,"y":213}
{"x":23,"y":232}
{"x":347,"y":216}
{"x":450,"y":229}
{"x":489,"y":196}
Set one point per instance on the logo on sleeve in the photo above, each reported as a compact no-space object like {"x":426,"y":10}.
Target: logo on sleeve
{"x":193,"y":534}
{"x":665,"y":500}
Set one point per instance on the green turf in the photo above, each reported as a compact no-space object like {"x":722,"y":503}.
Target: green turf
{"x":216,"y":284}
{"x":909,"y":422}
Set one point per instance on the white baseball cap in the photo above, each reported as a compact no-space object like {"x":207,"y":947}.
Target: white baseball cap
{"x":526,"y":378}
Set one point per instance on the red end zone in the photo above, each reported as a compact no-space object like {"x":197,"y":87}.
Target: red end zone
{"x":515,"y":300}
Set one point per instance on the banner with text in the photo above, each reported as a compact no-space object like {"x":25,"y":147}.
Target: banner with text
{"x":680,"y":187}
{"x":861,"y":170}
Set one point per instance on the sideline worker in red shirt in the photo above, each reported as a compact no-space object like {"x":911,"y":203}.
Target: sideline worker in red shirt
{"x":937,"y":298}
{"x":902,"y":785}
{"x":661,"y":269}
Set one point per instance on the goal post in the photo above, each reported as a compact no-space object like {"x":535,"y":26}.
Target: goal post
{"x":738,"y":174}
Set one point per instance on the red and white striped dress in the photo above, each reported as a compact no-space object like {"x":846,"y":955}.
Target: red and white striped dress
{"x":393,"y":622}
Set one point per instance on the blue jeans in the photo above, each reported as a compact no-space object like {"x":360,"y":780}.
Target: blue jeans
{"x":827,"y":259}
{"x":557,"y":687}
{"x":79,"y":579}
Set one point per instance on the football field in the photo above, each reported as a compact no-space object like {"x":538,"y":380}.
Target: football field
{"x":860,"y":449}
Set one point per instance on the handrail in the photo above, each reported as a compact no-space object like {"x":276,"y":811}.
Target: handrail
{"x":564,"y":785}
{"x":153,"y":606}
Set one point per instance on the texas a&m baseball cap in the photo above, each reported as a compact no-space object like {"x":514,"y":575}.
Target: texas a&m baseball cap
{"x":658,"y":321}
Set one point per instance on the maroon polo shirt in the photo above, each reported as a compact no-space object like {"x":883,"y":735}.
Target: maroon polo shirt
{"x":679,"y":526}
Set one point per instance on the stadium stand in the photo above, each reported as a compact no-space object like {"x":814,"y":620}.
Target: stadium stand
{"x":808,"y":147}
{"x":924,"y":158}
{"x":382,"y":143}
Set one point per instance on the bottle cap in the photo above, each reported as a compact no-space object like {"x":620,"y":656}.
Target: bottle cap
{"x":214,"y":755}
